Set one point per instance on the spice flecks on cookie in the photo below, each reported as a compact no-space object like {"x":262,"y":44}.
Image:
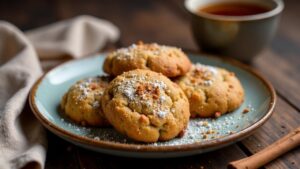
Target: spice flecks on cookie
{"x":203,"y":74}
{"x":147,"y":93}
{"x":211,"y":91}
{"x":170,"y":61}
{"x":82,"y":102}
{"x":88,"y":86}
{"x":146,"y":106}
{"x":150,"y":49}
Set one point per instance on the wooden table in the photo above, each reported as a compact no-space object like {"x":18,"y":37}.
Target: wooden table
{"x":166,"y":22}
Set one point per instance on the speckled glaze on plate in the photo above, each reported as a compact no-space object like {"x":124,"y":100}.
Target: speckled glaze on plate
{"x":47,"y":92}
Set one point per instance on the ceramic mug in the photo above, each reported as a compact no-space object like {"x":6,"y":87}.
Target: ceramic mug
{"x":241,"y":37}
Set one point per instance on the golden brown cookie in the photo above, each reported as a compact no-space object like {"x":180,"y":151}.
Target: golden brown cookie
{"x":82,"y":103}
{"x":211,"y":91}
{"x":146,"y":106}
{"x":167,"y":60}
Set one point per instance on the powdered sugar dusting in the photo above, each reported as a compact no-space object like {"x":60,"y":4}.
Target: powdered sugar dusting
{"x":148,"y":49}
{"x":212,"y":69}
{"x":86,"y":88}
{"x":162,"y":99}
{"x":145,"y":92}
{"x":162,"y":113}
{"x":208,"y":82}
{"x":161,"y":85}
{"x":198,"y":130}
{"x":208,"y":73}
{"x":96,"y":104}
{"x":129,"y":92}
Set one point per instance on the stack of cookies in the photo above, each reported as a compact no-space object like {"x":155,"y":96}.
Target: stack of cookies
{"x":151,"y":92}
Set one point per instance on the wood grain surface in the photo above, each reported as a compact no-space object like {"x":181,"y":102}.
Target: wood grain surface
{"x":166,"y":22}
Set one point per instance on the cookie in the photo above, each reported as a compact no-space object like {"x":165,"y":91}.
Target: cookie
{"x":169,"y":61}
{"x":211,"y":91}
{"x":146,"y":106}
{"x":82,"y":102}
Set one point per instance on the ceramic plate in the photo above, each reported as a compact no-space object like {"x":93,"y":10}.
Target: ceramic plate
{"x":46,"y":94}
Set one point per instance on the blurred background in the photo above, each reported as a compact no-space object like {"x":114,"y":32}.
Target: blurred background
{"x":137,"y":19}
{"x":167,"y":22}
{"x":163,"y":21}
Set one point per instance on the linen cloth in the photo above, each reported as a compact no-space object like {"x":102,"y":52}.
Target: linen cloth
{"x":23,"y":141}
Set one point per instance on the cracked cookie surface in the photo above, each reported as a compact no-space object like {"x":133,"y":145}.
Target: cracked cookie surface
{"x":211,"y":91}
{"x":170,"y":61}
{"x":146,"y":106}
{"x":82,"y":102}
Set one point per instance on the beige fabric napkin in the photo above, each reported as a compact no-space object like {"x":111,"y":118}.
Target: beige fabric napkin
{"x":22,"y":138}
{"x":76,"y":37}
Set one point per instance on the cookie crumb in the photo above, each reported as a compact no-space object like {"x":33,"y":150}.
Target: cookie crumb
{"x":246,"y":110}
{"x":210,"y":132}
{"x":230,"y":132}
{"x":203,"y":123}
{"x":93,"y":86}
{"x":217,"y":114}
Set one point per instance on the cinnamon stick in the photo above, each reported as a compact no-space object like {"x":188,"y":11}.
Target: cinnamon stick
{"x":270,"y":153}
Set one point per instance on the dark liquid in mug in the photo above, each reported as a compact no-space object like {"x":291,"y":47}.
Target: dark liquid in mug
{"x":234,"y":9}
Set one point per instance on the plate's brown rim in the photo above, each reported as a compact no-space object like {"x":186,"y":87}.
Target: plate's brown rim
{"x":152,"y":148}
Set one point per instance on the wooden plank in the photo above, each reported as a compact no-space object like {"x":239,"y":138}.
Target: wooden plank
{"x":146,"y":20}
{"x":213,"y":160}
{"x":281,"y":62}
{"x":286,"y":51}
{"x":60,"y":154}
{"x":129,"y":37}
{"x":150,"y":22}
{"x":282,"y":73}
{"x":32,"y":14}
{"x":290,"y":22}
{"x":284,"y":120}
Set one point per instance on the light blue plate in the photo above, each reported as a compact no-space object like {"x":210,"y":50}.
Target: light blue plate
{"x":47,"y":92}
